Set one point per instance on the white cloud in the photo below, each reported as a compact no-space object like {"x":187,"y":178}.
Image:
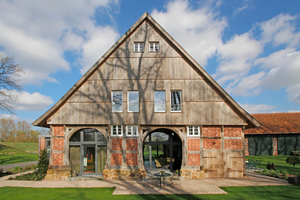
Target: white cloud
{"x":38,"y":34}
{"x":280,"y":30}
{"x":13,"y":117}
{"x":25,"y":101}
{"x":199,"y":30}
{"x":262,"y":108}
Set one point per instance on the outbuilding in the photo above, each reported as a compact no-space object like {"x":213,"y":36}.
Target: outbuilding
{"x":146,"y":105}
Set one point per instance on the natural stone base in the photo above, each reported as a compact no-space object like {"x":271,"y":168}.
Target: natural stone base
{"x":134,"y":174}
{"x":192,"y":173}
{"x":58,"y":172}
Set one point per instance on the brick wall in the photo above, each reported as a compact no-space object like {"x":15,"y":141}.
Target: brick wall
{"x":131,"y":158}
{"x":131,"y":144}
{"x":194,"y":159}
{"x":57,"y":158}
{"x":58,"y":130}
{"x":211,"y":131}
{"x":212,"y":143}
{"x":116,"y":159}
{"x":193,"y":144}
{"x":246,"y":147}
{"x":42,"y":143}
{"x":232,"y":132}
{"x":275,"y":150}
{"x":58,"y":144}
{"x":116,"y":144}
{"x":233,"y":144}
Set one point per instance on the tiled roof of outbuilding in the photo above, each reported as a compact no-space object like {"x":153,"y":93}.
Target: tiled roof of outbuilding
{"x":276,"y":123}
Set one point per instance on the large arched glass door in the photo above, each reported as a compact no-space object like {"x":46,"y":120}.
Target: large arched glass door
{"x":162,"y":150}
{"x":87,"y":152}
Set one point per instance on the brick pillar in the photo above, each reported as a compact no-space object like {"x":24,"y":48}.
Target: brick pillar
{"x":193,"y":152}
{"x":57,"y":145}
{"x":116,"y":155}
{"x":233,"y":138}
{"x":246,"y":147}
{"x":275,"y":149}
{"x":42,"y":143}
{"x":131,"y":152}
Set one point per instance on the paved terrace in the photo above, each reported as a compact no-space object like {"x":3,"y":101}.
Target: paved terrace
{"x":204,"y":186}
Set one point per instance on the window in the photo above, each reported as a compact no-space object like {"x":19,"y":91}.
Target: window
{"x":138,"y":47}
{"x":131,"y":130}
{"x":153,"y":46}
{"x":159,"y":101}
{"x":133,"y":101}
{"x":193,"y":130}
{"x":116,"y":101}
{"x":176,"y":101}
{"x":117,"y":130}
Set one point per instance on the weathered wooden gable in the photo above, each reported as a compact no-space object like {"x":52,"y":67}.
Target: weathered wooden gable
{"x":127,"y":70}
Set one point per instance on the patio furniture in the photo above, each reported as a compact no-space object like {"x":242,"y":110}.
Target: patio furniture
{"x":162,"y":177}
{"x":158,"y":165}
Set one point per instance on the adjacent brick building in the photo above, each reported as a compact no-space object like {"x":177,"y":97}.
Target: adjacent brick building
{"x":147,"y":105}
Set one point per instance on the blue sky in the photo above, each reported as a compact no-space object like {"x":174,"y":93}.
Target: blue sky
{"x":251,"y":48}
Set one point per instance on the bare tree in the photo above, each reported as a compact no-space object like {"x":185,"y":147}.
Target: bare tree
{"x":9,"y":71}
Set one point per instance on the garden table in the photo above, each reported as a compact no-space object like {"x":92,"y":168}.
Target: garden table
{"x":161,"y":177}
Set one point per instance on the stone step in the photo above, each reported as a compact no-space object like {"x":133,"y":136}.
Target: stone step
{"x":85,"y":178}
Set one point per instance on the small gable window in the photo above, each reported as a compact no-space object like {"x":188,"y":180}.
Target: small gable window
{"x":117,"y":130}
{"x":193,"y":130}
{"x":138,"y":47}
{"x":159,"y":101}
{"x":131,"y":130}
{"x":117,"y":101}
{"x":133,"y":101}
{"x":153,"y":46}
{"x":176,"y":101}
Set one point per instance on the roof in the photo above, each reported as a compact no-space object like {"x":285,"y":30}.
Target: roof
{"x":275,"y":123}
{"x":252,"y":122}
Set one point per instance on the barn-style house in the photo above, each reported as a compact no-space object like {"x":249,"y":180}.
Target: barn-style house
{"x":146,"y":105}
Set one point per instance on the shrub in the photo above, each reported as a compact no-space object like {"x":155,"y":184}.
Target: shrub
{"x":293,"y":161}
{"x":268,"y":166}
{"x":285,"y":177}
{"x":265,"y":172}
{"x":284,"y":172}
{"x":43,"y":163}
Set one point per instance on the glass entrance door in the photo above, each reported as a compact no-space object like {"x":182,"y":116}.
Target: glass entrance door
{"x":89,"y":157}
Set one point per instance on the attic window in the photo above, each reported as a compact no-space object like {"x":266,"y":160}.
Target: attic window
{"x":153,"y":46}
{"x":138,"y":47}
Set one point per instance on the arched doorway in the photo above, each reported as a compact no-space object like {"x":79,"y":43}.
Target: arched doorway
{"x":162,"y":150}
{"x":87,"y":152}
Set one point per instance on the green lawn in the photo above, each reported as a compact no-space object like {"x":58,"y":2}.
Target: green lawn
{"x":18,"y":158}
{"x":279,"y":161}
{"x":22,"y":146}
{"x":263,"y":192}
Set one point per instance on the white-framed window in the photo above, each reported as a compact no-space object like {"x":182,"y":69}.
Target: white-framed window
{"x":133,"y":101}
{"x":117,"y":101}
{"x":159,"y":101}
{"x":138,"y":47}
{"x":193,"y":130}
{"x":176,"y":101}
{"x":132,"y":130}
{"x":153,"y":46}
{"x":116,"y":130}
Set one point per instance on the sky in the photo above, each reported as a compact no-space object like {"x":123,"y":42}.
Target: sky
{"x":251,"y":48}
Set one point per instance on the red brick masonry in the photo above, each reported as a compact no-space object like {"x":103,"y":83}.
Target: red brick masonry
{"x":131,"y":144}
{"x":211,"y":131}
{"x":58,"y":130}
{"x":212,"y":143}
{"x":233,"y":144}
{"x":131,"y":158}
{"x":193,"y":144}
{"x":57,"y":158}
{"x":232,"y":132}
{"x":116,"y":159}
{"x":116,"y":144}
{"x":194,"y":159}
{"x":58,"y":144}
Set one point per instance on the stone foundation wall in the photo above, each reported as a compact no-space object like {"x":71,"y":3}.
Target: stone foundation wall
{"x":124,"y":173}
{"x":61,"y":172}
{"x":192,"y":173}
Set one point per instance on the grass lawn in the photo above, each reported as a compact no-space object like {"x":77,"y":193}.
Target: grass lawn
{"x":279,"y":161}
{"x":17,"y":158}
{"x":11,"y":153}
{"x":22,"y":146}
{"x":263,"y":192}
